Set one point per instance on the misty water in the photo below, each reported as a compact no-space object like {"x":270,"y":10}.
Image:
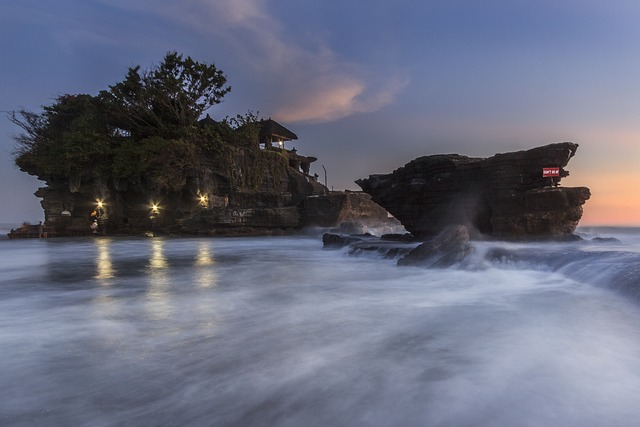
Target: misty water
{"x":279,"y":332}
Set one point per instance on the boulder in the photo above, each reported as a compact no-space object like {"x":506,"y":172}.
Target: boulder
{"x":504,"y":196}
{"x":337,"y":241}
{"x":449,"y":247}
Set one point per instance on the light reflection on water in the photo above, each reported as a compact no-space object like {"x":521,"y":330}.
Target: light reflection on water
{"x":104,"y":303}
{"x":157,"y":261}
{"x":278,"y":332}
{"x":158,"y":304}
{"x":104,"y":266}
{"x":205,"y":271}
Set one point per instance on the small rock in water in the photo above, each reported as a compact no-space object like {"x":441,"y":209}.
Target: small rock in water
{"x":447,"y":248}
{"x":337,"y":241}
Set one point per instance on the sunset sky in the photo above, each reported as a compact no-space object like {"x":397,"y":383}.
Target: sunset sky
{"x":367,"y":86}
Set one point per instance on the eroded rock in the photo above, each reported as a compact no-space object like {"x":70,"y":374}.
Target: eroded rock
{"x":504,"y":196}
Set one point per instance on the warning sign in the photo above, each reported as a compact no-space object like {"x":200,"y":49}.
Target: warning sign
{"x":550,"y":172}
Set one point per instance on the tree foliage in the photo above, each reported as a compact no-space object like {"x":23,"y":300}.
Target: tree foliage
{"x":162,"y":164}
{"x":245,"y":127}
{"x":66,"y":139}
{"x":166,"y":100}
{"x":144,"y":127}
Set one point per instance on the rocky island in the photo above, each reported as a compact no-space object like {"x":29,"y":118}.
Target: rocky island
{"x":509,"y":196}
{"x":139,"y":158}
{"x":445,"y":201}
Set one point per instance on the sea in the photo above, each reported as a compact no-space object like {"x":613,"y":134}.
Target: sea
{"x":277,"y":331}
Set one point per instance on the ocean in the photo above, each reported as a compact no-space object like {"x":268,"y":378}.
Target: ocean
{"x":278,"y":331}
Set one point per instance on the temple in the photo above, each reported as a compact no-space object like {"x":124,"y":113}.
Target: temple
{"x":245,"y":182}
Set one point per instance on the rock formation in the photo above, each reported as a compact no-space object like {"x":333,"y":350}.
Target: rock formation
{"x":205,"y":207}
{"x":353,"y":211}
{"x":135,"y":159}
{"x":211,"y":203}
{"x":247,"y":192}
{"x":447,"y":248}
{"x":504,"y":196}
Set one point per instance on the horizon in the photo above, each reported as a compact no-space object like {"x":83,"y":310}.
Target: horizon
{"x":366,"y":89}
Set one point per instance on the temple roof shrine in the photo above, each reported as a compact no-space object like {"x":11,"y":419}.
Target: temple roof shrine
{"x":273,"y":132}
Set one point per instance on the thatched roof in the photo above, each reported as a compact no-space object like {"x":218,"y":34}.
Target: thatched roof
{"x":270,"y":131}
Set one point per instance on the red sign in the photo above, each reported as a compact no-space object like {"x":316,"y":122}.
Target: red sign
{"x":550,"y":172}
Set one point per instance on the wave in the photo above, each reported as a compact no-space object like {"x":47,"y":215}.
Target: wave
{"x":611,"y":262}
{"x":614,"y":269}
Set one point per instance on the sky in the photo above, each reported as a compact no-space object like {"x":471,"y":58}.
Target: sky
{"x":366,"y":86}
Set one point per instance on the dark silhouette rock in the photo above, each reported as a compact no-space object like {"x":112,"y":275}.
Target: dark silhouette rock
{"x":451,"y":246}
{"x":395,"y":237}
{"x":379,"y":248}
{"x":337,"y":241}
{"x":504,"y":196}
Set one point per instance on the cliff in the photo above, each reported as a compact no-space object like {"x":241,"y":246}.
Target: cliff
{"x":504,"y":196}
{"x":219,"y":197}
{"x":256,"y":193}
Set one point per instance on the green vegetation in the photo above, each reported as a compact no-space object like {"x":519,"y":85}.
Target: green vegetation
{"x":142,"y":129}
{"x":165,"y":101}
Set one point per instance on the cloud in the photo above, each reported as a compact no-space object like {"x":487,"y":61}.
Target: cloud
{"x":333,"y":97}
{"x":307,"y":80}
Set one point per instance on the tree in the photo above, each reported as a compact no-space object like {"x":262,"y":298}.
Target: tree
{"x":70,"y":138}
{"x":164,"y":101}
{"x":245,"y":129}
{"x":151,"y":116}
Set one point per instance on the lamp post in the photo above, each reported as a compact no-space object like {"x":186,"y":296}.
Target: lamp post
{"x":325,"y":179}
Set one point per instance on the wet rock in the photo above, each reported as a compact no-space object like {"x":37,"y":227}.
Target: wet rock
{"x":395,"y":237}
{"x":451,"y":246}
{"x":337,"y":241}
{"x":383,"y":248}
